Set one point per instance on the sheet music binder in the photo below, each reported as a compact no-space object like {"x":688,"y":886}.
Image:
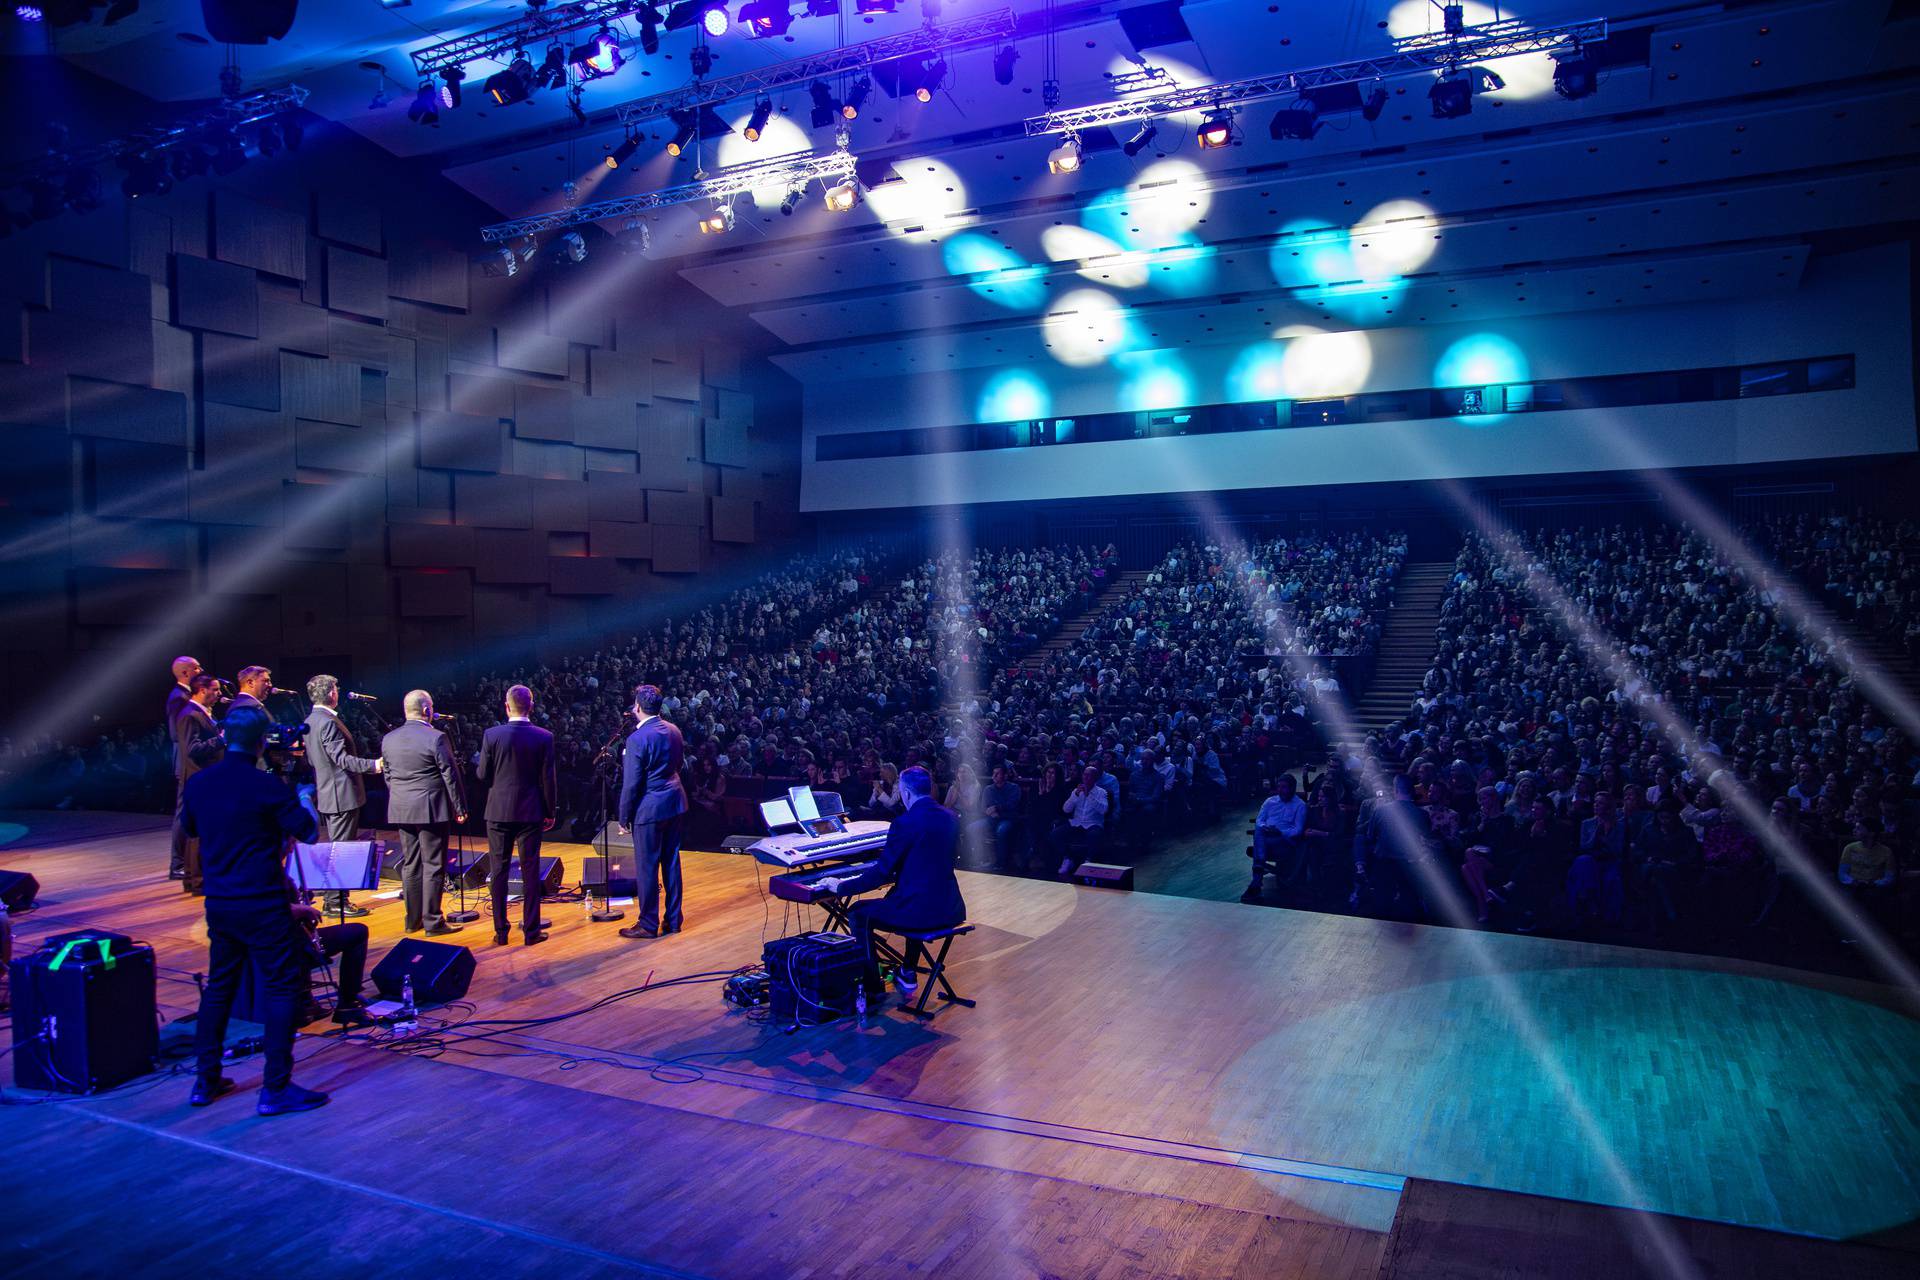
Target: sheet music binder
{"x":344,"y":864}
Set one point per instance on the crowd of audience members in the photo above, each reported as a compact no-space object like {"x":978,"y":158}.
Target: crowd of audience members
{"x":1719,"y":781}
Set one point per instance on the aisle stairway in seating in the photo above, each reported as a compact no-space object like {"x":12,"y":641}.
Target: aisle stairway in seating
{"x":1406,"y":651}
{"x":1073,"y":628}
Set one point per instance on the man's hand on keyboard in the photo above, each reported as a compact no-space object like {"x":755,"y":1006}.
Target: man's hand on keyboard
{"x":831,"y":884}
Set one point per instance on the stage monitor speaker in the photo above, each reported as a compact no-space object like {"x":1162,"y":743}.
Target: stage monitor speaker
{"x":84,"y":1016}
{"x":18,"y":891}
{"x":441,"y":972}
{"x":1105,"y":875}
{"x":552,"y":873}
{"x":610,"y":837}
{"x":247,"y":21}
{"x":622,"y":882}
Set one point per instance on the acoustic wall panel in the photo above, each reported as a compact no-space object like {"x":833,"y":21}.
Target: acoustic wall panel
{"x":510,"y":556}
{"x":562,"y":505}
{"x":356,"y":282}
{"x":470,"y":338}
{"x":733,"y":520}
{"x":460,"y":441}
{"x":118,"y":349}
{"x":430,"y":373}
{"x":676,"y":549}
{"x":544,"y":461}
{"x":725,"y":443}
{"x":289,"y":324}
{"x":600,"y":422}
{"x":620,"y":540}
{"x":620,"y":375}
{"x":722,"y":370}
{"x":361,"y":342}
{"x":530,"y":351}
{"x":149,"y":241}
{"x":239,"y":371}
{"x":737,"y":405}
{"x":140,"y":414}
{"x":422,"y":273}
{"x":668,"y":472}
{"x":258,"y":235}
{"x":496,"y":502}
{"x":488,"y":397}
{"x":676,"y":508}
{"x":443,"y":546}
{"x":123,"y":597}
{"x":614,"y":495}
{"x":581,"y":576}
{"x":345,"y":220}
{"x":325,"y":390}
{"x":435,"y":595}
{"x":89,"y":289}
{"x":219,"y":296}
{"x":327,"y":446}
{"x":136,"y":480}
{"x":676,"y":381}
{"x":670,"y":428}
{"x":543,"y":412}
{"x":173,"y":358}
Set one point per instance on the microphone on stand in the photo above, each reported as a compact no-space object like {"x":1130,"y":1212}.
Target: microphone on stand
{"x":363,"y":697}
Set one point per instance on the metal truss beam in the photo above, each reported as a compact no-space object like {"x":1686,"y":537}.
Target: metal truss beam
{"x":1412,"y":56}
{"x":538,"y":26}
{"x":730,"y":182}
{"x":968,"y":33}
{"x":227,"y":114}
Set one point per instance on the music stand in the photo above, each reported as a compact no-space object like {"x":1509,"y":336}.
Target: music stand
{"x":345,"y":865}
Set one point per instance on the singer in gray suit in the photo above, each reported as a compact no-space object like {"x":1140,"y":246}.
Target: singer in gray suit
{"x":653,"y":805}
{"x":424,"y":800}
{"x":338,"y":791}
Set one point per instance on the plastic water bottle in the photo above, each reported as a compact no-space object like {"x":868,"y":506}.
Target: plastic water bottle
{"x":860,"y":1003}
{"x":407,"y":1021}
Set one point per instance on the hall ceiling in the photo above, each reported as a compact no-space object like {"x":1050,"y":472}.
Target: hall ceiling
{"x":1722,"y":140}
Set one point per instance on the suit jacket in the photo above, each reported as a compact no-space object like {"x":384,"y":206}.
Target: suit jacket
{"x":196,"y":741}
{"x":337,"y":785}
{"x":243,"y":818}
{"x":650,"y":789}
{"x":422,"y":786}
{"x":922,"y":845}
{"x":177,"y":697}
{"x":517,"y":761}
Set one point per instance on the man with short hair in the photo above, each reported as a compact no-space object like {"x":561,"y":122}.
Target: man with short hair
{"x":1279,"y":837}
{"x":256,"y":686}
{"x":1086,"y":811}
{"x":243,"y":819}
{"x":338,"y":791}
{"x":517,"y":765}
{"x":424,"y":802}
{"x":196,"y":744}
{"x":184,"y":670}
{"x":653,"y":807}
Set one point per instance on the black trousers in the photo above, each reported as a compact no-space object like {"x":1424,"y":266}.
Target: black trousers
{"x":656,"y":864}
{"x":423,"y":872}
{"x":185,"y":854}
{"x":260,"y":932}
{"x":348,"y":944}
{"x":502,"y":837}
{"x":878,"y":913}
{"x":336,"y":828}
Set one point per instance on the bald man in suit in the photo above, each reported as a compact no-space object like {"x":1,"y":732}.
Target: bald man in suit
{"x":424,"y":802}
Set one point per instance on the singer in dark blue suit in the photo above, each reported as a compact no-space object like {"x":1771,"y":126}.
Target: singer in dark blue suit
{"x":517,"y":766}
{"x":922,"y":846}
{"x":653,"y":807}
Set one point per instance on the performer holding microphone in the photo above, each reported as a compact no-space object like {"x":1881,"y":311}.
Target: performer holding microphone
{"x":653,"y":807}
{"x":338,"y":791}
{"x":424,"y":801}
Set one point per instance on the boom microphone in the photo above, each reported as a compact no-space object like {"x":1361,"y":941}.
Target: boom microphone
{"x":363,"y":697}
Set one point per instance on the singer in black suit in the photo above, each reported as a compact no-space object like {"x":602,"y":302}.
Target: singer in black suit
{"x":653,"y":806}
{"x":196,"y":744}
{"x":338,"y":791}
{"x":424,"y":801}
{"x":184,"y":670}
{"x":922,"y":847}
{"x":518,"y":763}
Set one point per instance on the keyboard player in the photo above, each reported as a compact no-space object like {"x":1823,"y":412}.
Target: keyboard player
{"x":918,"y":860}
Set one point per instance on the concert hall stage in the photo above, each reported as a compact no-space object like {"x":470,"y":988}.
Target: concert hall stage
{"x":1149,"y":1086}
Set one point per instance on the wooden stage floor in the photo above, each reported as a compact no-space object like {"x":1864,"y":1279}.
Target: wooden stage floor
{"x":1149,"y":1086}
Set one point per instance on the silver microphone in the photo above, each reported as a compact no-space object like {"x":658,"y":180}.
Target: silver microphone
{"x":363,"y":697}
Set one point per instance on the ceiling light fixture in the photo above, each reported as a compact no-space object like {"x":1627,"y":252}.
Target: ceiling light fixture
{"x":856,"y":98}
{"x":1451,"y":97}
{"x":649,"y":30}
{"x":758,"y":120}
{"x":825,"y":105}
{"x":842,"y":197}
{"x":1065,"y":158}
{"x":624,"y":152}
{"x":1216,"y":130}
{"x":1298,"y":122}
{"x":1141,"y":140}
{"x":450,"y":87}
{"x":599,"y":57}
{"x":713,"y":19}
{"x":1575,"y":74}
{"x":1376,"y":103}
{"x":685,"y":127}
{"x":719,"y":222}
{"x":1003,"y":60}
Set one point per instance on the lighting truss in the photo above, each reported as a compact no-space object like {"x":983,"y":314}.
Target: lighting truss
{"x":967,"y":33}
{"x":1414,"y":55}
{"x":536,"y":26}
{"x":740,"y":179}
{"x":224,"y":116}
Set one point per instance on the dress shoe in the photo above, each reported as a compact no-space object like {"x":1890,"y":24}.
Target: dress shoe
{"x":205,"y":1091}
{"x":532,"y":938}
{"x":352,"y":1015}
{"x":638,"y":932}
{"x":353,"y":912}
{"x":284,"y":1101}
{"x":442,"y":930}
{"x":501,"y":939}
{"x":176,"y":874}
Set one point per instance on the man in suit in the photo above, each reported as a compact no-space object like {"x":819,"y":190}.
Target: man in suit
{"x":424,"y":801}
{"x":243,"y":819}
{"x":338,"y":791}
{"x":196,"y":744}
{"x":517,"y":763}
{"x":256,"y":686}
{"x":184,"y":670}
{"x":653,"y":806}
{"x":922,"y":846}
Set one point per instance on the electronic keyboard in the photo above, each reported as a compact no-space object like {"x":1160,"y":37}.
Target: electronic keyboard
{"x":798,"y":849}
{"x":804,"y":886}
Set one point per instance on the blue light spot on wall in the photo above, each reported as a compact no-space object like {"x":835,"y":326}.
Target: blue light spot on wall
{"x":1481,"y":360}
{"x":1185,"y":269}
{"x":1256,"y":373}
{"x":1154,"y":380}
{"x":1309,"y":253}
{"x":996,"y":272}
{"x":1014,"y":397}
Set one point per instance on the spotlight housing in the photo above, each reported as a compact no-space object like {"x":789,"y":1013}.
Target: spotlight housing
{"x":842,"y":197}
{"x":599,"y":57}
{"x":700,"y":60}
{"x":825,"y":105}
{"x":1298,"y":122}
{"x":509,"y":260}
{"x":686,"y":127}
{"x":1003,"y":60}
{"x":868,"y":8}
{"x":425,"y":108}
{"x":511,"y":86}
{"x":791,"y":201}
{"x":649,"y":30}
{"x":856,"y":98}
{"x":624,"y":152}
{"x":231,"y":153}
{"x":146,"y":176}
{"x":1451,"y":97}
{"x":757,"y":122}
{"x":713,"y":19}
{"x":1376,"y":103}
{"x":931,"y":74}
{"x":1575,"y":75}
{"x":767,"y":17}
{"x":1142,"y":139}
{"x":1066,"y":157}
{"x":718,"y":222}
{"x":1216,"y":130}
{"x":450,"y":80}
{"x":553,"y":69}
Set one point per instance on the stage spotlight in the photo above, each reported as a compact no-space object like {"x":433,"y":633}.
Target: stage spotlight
{"x":685,"y":127}
{"x":930,"y":10}
{"x":758,"y":120}
{"x":1451,"y":97}
{"x":1065,"y":158}
{"x":553,"y":69}
{"x":713,"y":19}
{"x":231,"y":154}
{"x":528,"y":247}
{"x":825,"y":105}
{"x":509,"y":261}
{"x":1003,"y":60}
{"x":1376,"y":103}
{"x":649,"y":30}
{"x":515,"y":84}
{"x":844,"y":196}
{"x":700,"y":61}
{"x":1575,"y":75}
{"x":450,"y":87}
{"x":28,"y":12}
{"x":856,"y":98}
{"x":570,"y":247}
{"x":634,"y":238}
{"x":1298,"y":122}
{"x":767,"y":17}
{"x":1216,"y":130}
{"x":1453,"y":17}
{"x":931,"y":74}
{"x":1142,"y":139}
{"x":868,"y":8}
{"x":719,"y":222}
{"x":624,"y":152}
{"x":791,"y":200}
{"x":599,"y":57}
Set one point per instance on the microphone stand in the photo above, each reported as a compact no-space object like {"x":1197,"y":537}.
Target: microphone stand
{"x":463,"y":915}
{"x":603,"y":770}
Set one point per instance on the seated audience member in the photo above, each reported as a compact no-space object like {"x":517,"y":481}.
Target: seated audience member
{"x":1279,"y":837}
{"x":1000,"y":807}
{"x":883,"y":800}
{"x":1086,"y":818}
